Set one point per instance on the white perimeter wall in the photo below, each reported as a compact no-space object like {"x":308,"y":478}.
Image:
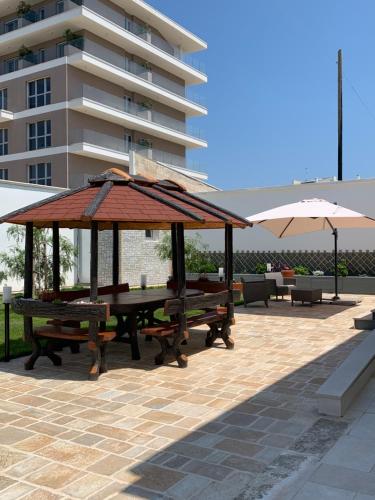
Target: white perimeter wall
{"x":358,"y":195}
{"x":14,"y":195}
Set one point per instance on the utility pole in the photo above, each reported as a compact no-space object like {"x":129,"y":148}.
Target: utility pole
{"x":339,"y":95}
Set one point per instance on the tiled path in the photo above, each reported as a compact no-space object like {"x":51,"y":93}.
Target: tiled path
{"x":234,"y":424}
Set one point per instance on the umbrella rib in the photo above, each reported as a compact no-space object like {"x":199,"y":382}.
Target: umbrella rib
{"x":286,"y":227}
{"x":329,"y":223}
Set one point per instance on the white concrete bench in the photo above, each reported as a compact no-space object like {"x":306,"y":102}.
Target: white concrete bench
{"x":343,"y":386}
{"x":366,"y":322}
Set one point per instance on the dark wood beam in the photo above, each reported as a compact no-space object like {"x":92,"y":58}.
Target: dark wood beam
{"x":229,"y":268}
{"x":29,"y":247}
{"x":56,"y":256}
{"x":181,"y":276}
{"x":91,"y":209}
{"x":174,"y":250}
{"x":94,"y":262}
{"x":169,"y":203}
{"x":193,"y":203}
{"x":115,"y":254}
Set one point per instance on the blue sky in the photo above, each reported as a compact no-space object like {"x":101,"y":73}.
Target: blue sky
{"x":272,"y":91}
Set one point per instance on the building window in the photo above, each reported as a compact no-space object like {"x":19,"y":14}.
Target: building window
{"x":151,"y":234}
{"x":60,"y":49}
{"x":11,"y":25}
{"x":11,"y":65}
{"x":42,"y":14}
{"x":59,"y":6}
{"x":39,"y":135}
{"x":39,"y":92}
{"x":3,"y":141}
{"x":3,"y":174}
{"x":40,"y":173}
{"x":42,"y":55}
{"x":3,"y":98}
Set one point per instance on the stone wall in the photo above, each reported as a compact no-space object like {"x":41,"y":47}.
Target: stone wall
{"x":137,"y":256}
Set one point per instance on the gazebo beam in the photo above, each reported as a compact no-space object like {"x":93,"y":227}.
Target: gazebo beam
{"x":29,"y":247}
{"x":229,"y":267}
{"x":56,"y":256}
{"x":180,"y":260}
{"x":115,"y":254}
{"x":174,"y":250}
{"x":94,"y":262}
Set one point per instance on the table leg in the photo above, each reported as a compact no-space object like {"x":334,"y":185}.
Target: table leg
{"x":133,"y":336}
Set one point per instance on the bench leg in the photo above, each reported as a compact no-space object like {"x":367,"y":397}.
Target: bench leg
{"x":225,"y":335}
{"x":133,"y":337}
{"x":103,"y":358}
{"x":56,"y":360}
{"x":95,"y":361}
{"x":212,"y":334}
{"x":37,"y":351}
{"x":164,"y":344}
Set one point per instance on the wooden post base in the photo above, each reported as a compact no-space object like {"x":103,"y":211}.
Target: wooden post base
{"x":220,"y":333}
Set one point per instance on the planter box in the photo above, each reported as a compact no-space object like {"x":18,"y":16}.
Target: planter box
{"x":351,"y":284}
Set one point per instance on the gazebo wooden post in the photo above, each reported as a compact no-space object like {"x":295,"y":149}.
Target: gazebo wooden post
{"x":183,"y":333}
{"x":56,"y":256}
{"x":28,"y":294}
{"x":93,"y":343}
{"x":229,"y":282}
{"x":115,"y":254}
{"x":174,"y":250}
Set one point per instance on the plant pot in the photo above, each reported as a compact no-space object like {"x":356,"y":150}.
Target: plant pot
{"x":48,"y":296}
{"x":288,"y":273}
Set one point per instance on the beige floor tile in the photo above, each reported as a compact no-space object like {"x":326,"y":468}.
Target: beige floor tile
{"x":54,"y":476}
{"x":71,"y":454}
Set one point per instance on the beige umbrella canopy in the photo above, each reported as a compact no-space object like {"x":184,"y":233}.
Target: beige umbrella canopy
{"x":307,"y":216}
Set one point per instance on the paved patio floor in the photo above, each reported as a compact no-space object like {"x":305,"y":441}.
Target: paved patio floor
{"x":234,"y":424}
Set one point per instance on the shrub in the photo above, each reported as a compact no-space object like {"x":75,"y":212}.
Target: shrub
{"x":301,"y":270}
{"x":342,"y":268}
{"x":261,"y":268}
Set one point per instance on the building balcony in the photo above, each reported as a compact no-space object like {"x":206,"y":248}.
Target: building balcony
{"x":5,"y":115}
{"x":104,"y":21}
{"x":109,"y":65}
{"x":135,"y":116}
{"x":93,"y":144}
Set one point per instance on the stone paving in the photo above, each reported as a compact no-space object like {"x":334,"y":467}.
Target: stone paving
{"x":235,"y":424}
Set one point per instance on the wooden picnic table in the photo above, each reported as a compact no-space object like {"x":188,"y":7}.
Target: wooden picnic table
{"x":131,"y":304}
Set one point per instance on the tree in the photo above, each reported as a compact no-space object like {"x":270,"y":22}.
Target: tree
{"x":195,"y":260}
{"x":14,"y":259}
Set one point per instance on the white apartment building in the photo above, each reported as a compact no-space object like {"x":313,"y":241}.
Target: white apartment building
{"x":85,"y":82}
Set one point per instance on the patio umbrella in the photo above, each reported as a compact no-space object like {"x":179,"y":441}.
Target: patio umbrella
{"x":307,"y":216}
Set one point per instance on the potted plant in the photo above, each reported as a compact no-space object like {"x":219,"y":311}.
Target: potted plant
{"x":284,"y":269}
{"x":261,"y":268}
{"x":24,"y":11}
{"x":301,"y":270}
{"x":25,"y":53}
{"x":146,"y":65}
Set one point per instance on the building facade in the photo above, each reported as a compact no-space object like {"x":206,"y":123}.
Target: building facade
{"x":85,"y":82}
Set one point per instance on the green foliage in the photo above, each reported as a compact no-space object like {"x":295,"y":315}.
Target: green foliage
{"x":14,"y":259}
{"x":261,"y":268}
{"x":301,"y":270}
{"x":70,"y":36}
{"x":195,"y":260}
{"x":23,"y":8}
{"x":342,"y":268}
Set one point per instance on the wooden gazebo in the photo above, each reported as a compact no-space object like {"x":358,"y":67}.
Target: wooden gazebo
{"x":117,"y":201}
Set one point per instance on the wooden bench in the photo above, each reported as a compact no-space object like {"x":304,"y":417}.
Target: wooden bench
{"x":62,"y":313}
{"x":170,"y":334}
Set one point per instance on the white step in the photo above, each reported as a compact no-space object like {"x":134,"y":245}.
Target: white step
{"x":343,"y":386}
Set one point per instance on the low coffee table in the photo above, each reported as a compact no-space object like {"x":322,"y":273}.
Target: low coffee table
{"x":311,"y":295}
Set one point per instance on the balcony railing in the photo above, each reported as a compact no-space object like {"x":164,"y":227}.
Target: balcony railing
{"x":124,"y":146}
{"x":104,"y":54}
{"x":140,"y":110}
{"x":142,"y":31}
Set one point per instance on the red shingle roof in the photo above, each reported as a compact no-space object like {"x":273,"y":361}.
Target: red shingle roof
{"x":133,"y":202}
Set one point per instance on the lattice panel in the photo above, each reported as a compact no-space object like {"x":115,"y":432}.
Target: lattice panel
{"x":359,"y":263}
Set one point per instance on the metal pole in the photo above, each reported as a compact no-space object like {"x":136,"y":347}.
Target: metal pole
{"x":339,"y":124}
{"x":335,"y":235}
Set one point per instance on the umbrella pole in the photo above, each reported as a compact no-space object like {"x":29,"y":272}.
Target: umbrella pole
{"x":335,"y":297}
